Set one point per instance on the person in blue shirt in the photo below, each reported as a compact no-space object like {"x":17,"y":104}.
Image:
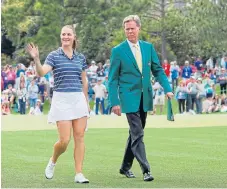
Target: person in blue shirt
{"x":181,"y":95}
{"x":187,"y":71}
{"x":69,"y":107}
{"x":198,"y":64}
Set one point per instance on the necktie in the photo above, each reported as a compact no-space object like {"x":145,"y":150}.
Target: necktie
{"x":138,"y":58}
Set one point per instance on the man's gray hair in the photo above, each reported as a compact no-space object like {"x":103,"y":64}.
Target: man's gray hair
{"x":132,"y":18}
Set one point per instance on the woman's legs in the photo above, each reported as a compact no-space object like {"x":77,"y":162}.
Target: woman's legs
{"x":79,"y":126}
{"x":21,"y":104}
{"x":64,"y":132}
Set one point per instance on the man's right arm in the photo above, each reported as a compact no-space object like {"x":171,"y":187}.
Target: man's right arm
{"x":114,"y":79}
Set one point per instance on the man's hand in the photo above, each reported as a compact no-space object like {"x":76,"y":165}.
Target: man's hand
{"x":116,"y":110}
{"x":169,"y":95}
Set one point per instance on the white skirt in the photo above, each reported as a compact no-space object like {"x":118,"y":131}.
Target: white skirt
{"x":67,"y":106}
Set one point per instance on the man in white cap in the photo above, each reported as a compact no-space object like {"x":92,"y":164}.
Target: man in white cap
{"x":187,"y":71}
{"x":93,"y":68}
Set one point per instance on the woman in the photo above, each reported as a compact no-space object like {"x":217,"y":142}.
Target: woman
{"x":21,"y":93}
{"x":33,"y":93}
{"x":200,"y":96}
{"x":69,"y":107}
{"x":181,"y":95}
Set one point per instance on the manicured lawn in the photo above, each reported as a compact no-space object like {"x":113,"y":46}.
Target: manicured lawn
{"x":184,"y":157}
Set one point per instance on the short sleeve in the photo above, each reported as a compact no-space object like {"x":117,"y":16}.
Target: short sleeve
{"x":50,"y":60}
{"x":84,"y":63}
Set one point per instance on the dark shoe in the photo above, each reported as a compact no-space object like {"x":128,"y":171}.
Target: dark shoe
{"x":148,"y":177}
{"x":128,"y":173}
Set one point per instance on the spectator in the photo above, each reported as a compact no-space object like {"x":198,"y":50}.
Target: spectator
{"x":224,"y":62}
{"x":208,"y":83}
{"x":32,"y":67}
{"x":223,"y":103}
{"x":217,"y":70}
{"x":216,"y":103}
{"x":186,"y":71}
{"x":159,"y":99}
{"x":223,"y":81}
{"x":11,"y":76}
{"x":37,"y":109}
{"x":11,"y":92}
{"x":90,"y":91}
{"x":30,"y":72}
{"x":20,"y":70}
{"x":100,"y":92}
{"x":175,"y":70}
{"x":4,"y":77}
{"x":207,"y":105}
{"x":106,"y":67}
{"x":209,"y":64}
{"x":5,"y":108}
{"x":33,"y":93}
{"x":198,"y":64}
{"x":93,"y":68}
{"x":42,"y":88}
{"x":22,"y":93}
{"x":181,"y":95}
{"x":192,"y":91}
{"x":21,"y":79}
{"x":100,"y":71}
{"x":213,"y":76}
{"x":200,"y":95}
{"x":166,"y":67}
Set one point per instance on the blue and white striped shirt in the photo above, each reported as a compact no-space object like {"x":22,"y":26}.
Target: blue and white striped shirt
{"x":67,"y":72}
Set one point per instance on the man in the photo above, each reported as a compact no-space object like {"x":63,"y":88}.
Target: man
{"x":192,"y":91}
{"x":175,"y":70}
{"x":130,"y":90}
{"x":166,"y":67}
{"x":93,"y":68}
{"x":187,"y":71}
{"x":100,"y":93}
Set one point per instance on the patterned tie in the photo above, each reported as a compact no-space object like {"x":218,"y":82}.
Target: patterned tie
{"x":138,"y":58}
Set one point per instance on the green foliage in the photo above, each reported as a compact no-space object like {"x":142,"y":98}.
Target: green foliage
{"x":179,"y":31}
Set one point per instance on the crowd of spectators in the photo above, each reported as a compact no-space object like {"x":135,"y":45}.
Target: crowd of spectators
{"x":202,"y":85}
{"x":23,"y":90}
{"x":196,"y":87}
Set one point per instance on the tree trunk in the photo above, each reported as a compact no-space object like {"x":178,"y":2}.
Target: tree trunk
{"x":163,"y":37}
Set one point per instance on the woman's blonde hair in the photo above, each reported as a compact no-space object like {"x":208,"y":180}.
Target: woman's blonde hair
{"x":75,"y":42}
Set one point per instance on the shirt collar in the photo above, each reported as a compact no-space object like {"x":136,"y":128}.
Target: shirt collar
{"x":132,"y":44}
{"x":60,"y":51}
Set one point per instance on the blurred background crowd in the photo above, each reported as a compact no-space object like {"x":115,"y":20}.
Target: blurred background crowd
{"x":199,"y":87}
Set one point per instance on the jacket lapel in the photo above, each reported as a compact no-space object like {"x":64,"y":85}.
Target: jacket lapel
{"x":126,"y":48}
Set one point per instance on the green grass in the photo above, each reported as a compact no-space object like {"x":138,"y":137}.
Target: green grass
{"x":184,"y":157}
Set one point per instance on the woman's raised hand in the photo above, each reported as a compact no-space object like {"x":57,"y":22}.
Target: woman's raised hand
{"x":33,"y":50}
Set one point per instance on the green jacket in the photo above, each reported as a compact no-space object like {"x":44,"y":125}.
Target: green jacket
{"x":126,"y":82}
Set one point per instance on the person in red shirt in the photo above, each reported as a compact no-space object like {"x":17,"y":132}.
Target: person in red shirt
{"x":11,"y":76}
{"x":166,"y":67}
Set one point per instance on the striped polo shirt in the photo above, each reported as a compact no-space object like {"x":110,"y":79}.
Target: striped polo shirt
{"x":66,"y":71}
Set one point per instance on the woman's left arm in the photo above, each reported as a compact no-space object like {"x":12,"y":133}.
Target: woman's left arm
{"x":85,"y":86}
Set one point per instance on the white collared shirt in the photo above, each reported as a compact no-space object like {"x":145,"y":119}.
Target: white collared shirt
{"x":133,"y":49}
